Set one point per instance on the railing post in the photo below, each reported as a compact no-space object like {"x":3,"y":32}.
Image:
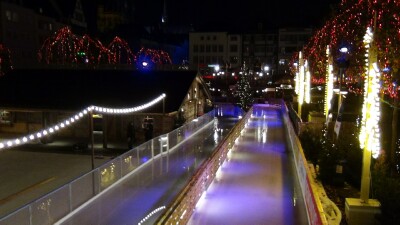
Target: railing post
{"x":152,"y":148}
{"x":91,"y":135}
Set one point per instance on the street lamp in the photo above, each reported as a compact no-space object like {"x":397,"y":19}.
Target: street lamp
{"x":266,"y":69}
{"x":343,"y":63}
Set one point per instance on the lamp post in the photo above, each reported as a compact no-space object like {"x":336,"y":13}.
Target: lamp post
{"x":343,"y":63}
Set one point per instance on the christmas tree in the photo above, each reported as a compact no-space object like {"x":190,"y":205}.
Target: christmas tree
{"x":244,"y":90}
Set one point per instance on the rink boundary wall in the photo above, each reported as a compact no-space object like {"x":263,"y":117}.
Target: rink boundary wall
{"x":316,"y":214}
{"x":182,"y":208}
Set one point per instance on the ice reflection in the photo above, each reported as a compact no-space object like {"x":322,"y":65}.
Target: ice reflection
{"x":217,"y":131}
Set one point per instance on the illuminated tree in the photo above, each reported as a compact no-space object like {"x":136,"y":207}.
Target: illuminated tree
{"x":244,"y":90}
{"x":121,"y":53}
{"x":94,"y":51}
{"x":64,"y":47}
{"x":153,"y":56}
{"x":61,"y":48}
{"x":347,"y":28}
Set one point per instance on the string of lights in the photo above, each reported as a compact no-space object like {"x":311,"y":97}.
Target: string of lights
{"x":370,"y":132}
{"x":64,"y":47}
{"x":346,"y":28}
{"x":73,"y":119}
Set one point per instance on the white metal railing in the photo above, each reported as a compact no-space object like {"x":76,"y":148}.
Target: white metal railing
{"x":57,"y":204}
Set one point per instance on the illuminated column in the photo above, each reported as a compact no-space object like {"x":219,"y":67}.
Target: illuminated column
{"x":328,"y":83}
{"x":300,"y":98}
{"x":370,"y":132}
{"x":297,"y":78}
{"x":307,"y":83}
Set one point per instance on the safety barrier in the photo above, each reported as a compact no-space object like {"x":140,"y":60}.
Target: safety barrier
{"x":59,"y":203}
{"x":181,"y":209}
{"x":320,"y":209}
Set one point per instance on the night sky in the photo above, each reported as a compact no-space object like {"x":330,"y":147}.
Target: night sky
{"x":227,"y":14}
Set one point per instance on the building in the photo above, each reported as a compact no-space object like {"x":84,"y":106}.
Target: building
{"x":214,"y":48}
{"x":33,"y":100}
{"x":263,"y":48}
{"x":291,"y":41}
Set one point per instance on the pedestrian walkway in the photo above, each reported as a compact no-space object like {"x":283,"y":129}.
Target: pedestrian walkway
{"x":257,"y":184}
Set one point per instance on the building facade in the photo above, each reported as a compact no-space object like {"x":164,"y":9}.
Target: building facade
{"x":273,"y":49}
{"x":290,"y":41}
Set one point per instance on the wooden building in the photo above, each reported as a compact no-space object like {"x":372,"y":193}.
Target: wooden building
{"x":32,"y":100}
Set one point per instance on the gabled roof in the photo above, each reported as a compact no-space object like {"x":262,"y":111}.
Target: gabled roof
{"x":78,"y":89}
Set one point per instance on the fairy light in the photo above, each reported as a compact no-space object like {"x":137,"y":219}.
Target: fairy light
{"x":329,"y":83}
{"x":348,"y":26}
{"x":301,"y":79}
{"x":370,"y":132}
{"x":74,"y":119}
{"x":300,"y":99}
{"x":151,"y":214}
{"x":307,"y":83}
{"x":65,"y":47}
{"x":155,"y":56}
{"x":297,"y":82}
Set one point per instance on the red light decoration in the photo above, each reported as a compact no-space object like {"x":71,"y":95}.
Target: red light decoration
{"x":121,"y":53}
{"x":95,"y":51}
{"x":348,"y":28}
{"x":157,"y":57}
{"x":64,"y":47}
{"x":61,"y":48}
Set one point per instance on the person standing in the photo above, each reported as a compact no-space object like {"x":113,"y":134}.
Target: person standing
{"x":148,"y":131}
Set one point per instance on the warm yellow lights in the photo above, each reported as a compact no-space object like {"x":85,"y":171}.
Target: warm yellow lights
{"x":370,"y":131}
{"x":75,"y":118}
{"x":303,"y":82}
{"x":300,"y":99}
{"x":328,"y":83}
{"x":307,"y":83}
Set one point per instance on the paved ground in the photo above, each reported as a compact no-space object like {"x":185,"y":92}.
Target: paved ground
{"x":29,"y":171}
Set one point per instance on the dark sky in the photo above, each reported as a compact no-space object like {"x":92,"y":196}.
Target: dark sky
{"x":229,"y":14}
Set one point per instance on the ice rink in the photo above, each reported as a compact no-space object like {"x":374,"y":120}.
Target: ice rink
{"x":257,"y":183}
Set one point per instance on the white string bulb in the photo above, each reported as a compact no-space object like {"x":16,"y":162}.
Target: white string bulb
{"x":75,"y":118}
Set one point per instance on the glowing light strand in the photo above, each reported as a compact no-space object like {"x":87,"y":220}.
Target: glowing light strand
{"x":56,"y":128}
{"x":329,"y":83}
{"x":370,"y":131}
{"x":151,"y":214}
{"x":64,"y":47}
{"x":347,"y":27}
